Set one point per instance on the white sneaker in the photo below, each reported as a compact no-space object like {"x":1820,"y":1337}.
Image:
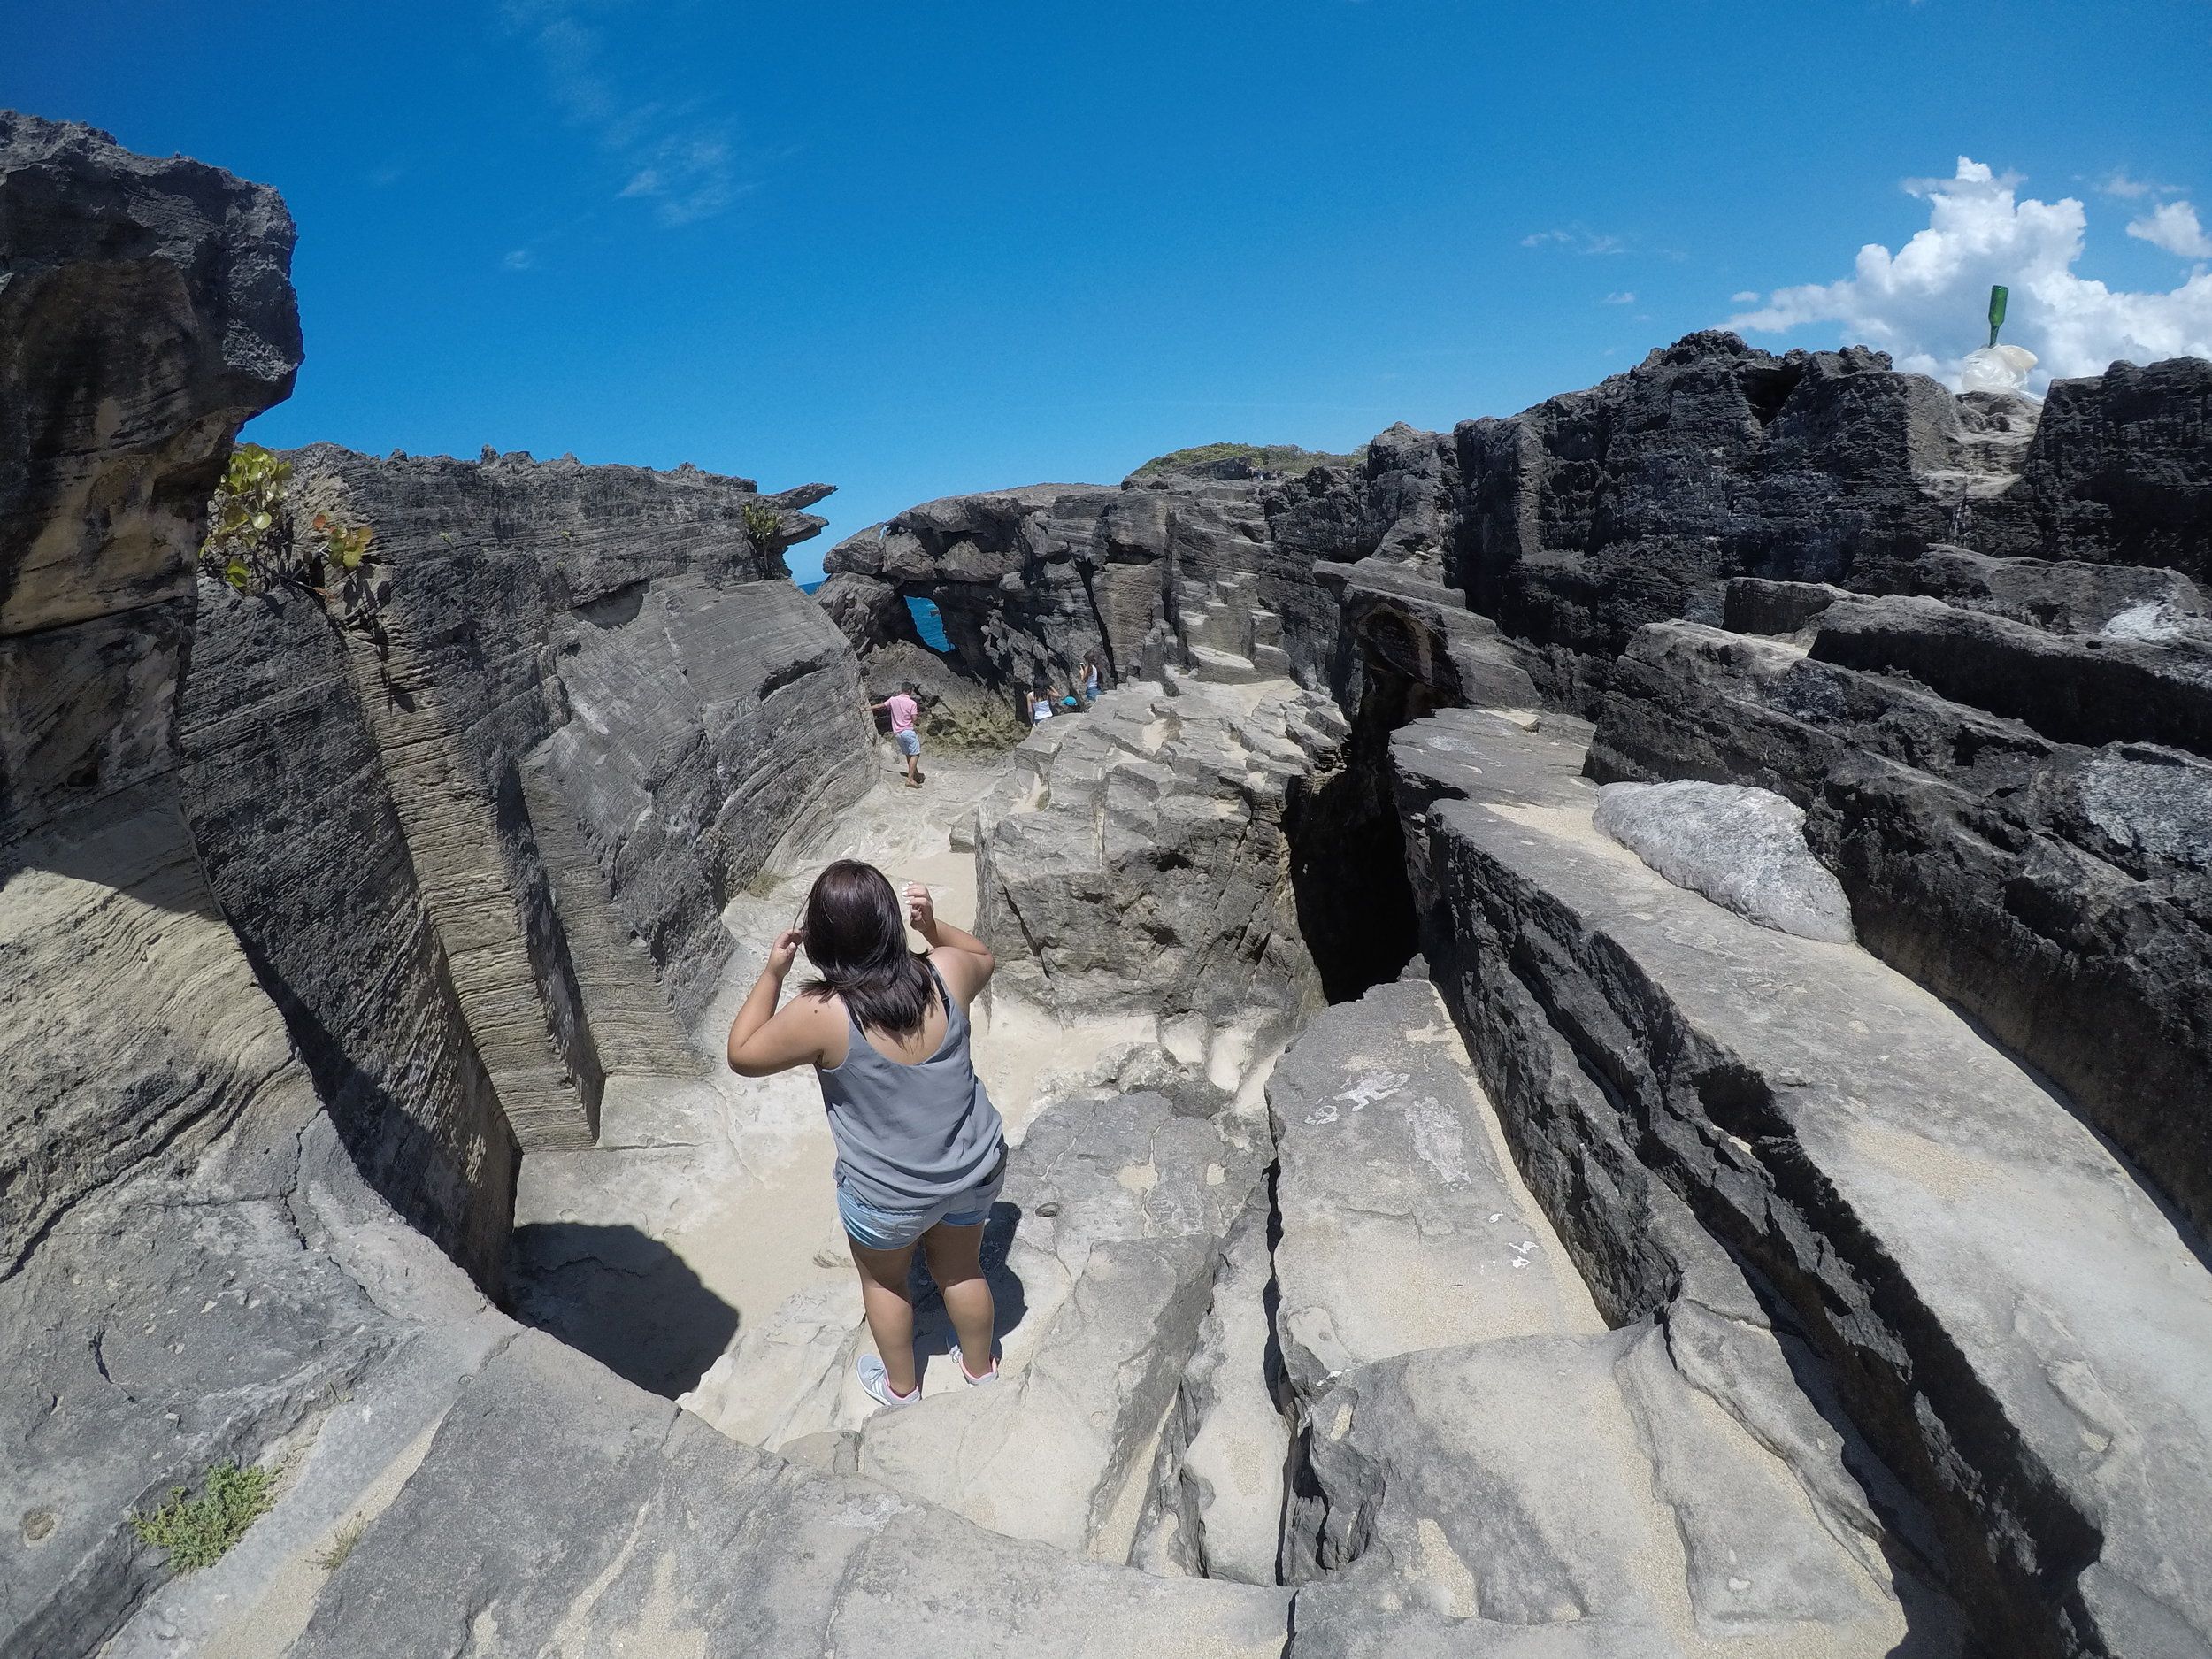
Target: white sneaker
{"x":973,"y":1382}
{"x":877,"y":1382}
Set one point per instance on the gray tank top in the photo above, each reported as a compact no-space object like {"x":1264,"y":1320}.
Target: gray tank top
{"x":909,"y":1135}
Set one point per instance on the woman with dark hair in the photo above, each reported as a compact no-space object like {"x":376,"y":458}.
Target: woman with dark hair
{"x":920,"y":1151}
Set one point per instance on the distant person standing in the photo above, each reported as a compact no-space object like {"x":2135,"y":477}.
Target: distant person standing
{"x":903,"y":709}
{"x":1039,"y":703}
{"x":1090,"y":677}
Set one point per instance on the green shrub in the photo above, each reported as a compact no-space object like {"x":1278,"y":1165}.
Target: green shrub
{"x":1271,"y":457}
{"x":255,"y":542}
{"x":763,"y":523}
{"x":196,"y":1532}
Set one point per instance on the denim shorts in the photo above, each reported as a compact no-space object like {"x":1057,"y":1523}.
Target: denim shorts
{"x":895,"y":1229}
{"x":910,"y":741}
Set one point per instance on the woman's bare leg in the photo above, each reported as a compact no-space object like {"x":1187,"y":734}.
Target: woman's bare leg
{"x":890,"y":1315}
{"x":956,"y":1261}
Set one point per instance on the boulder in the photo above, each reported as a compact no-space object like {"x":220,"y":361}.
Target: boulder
{"x":1742,"y":848}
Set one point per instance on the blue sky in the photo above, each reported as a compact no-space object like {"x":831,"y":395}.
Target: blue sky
{"x":922,"y":248}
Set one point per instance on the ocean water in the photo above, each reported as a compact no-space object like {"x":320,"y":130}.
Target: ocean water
{"x":929,"y":622}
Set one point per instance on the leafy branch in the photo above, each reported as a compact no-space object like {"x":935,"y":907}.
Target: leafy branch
{"x":763,"y":523}
{"x":256,"y":543}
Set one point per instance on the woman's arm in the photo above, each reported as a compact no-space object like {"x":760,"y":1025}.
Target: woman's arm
{"x":762,"y":1040}
{"x":964,"y":960}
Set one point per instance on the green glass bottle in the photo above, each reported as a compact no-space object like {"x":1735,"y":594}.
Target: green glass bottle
{"x":1997,"y":297}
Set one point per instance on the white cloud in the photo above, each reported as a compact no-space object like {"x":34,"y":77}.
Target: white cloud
{"x":1620,"y":299}
{"x":2173,"y":226}
{"x":1749,"y":297}
{"x":520,"y":259}
{"x":1580,"y":237}
{"x":1926,"y":304}
{"x":681,"y":161}
{"x":2128,"y":189}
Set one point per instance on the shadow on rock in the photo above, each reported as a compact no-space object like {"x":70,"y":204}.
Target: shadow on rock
{"x":933,"y":1330}
{"x":627,"y":1300}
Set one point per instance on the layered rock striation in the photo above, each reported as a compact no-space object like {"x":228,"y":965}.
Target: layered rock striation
{"x":480,"y":856}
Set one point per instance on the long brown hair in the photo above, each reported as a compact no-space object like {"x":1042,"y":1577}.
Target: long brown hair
{"x":856,"y":936}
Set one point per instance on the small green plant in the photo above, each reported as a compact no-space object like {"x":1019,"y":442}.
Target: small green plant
{"x":342,"y":1546}
{"x":198,"y":1531}
{"x":763,"y":523}
{"x":255,"y":543}
{"x":1273,"y":458}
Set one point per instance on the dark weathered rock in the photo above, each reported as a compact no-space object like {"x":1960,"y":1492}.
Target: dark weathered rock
{"x":2121,"y":467}
{"x":144,"y":315}
{"x":2065,"y":595}
{"x":1594,"y":512}
{"x":1752,"y":604}
{"x":1028,"y":581}
{"x":868,"y":612}
{"x":2098,"y":689}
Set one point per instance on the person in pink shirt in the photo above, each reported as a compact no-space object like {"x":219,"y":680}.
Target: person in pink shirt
{"x":902,"y":708}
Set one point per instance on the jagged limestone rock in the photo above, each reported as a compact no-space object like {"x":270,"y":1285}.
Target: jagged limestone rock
{"x":559,"y":1505}
{"x":1149,"y":870}
{"x":2120,"y":469}
{"x":2003,"y":1312}
{"x":2155,"y":687}
{"x":1399,"y":1228}
{"x":1119,"y":1210}
{"x":2049,"y":888}
{"x":1738,"y":847}
{"x":1216,"y":1505}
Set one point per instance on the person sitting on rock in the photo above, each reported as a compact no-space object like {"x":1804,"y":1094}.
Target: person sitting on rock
{"x":1040,"y":702}
{"x":903,"y":706}
{"x":921,"y":1153}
